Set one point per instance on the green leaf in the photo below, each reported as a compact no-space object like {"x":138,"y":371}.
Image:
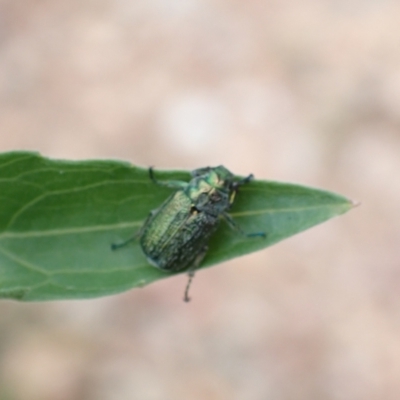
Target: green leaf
{"x":58,"y":220}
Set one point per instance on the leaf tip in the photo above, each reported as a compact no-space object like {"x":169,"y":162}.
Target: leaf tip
{"x":355,"y":203}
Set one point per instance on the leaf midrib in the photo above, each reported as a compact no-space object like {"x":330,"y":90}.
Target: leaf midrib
{"x":123,"y":225}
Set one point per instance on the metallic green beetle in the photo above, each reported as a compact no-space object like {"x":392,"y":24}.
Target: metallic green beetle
{"x":175,"y":236}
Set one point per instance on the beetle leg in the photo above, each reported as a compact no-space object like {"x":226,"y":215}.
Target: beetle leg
{"x":192,"y":270}
{"x":116,"y":246}
{"x":170,"y":184}
{"x":233,"y":225}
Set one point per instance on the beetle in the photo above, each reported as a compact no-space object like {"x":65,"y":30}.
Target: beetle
{"x":175,"y":236}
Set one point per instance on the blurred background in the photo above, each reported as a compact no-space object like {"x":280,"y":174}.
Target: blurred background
{"x":301,"y":91}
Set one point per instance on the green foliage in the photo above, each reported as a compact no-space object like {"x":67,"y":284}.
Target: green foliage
{"x":58,"y":220}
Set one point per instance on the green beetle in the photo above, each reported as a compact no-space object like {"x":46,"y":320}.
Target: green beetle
{"x":175,"y":236}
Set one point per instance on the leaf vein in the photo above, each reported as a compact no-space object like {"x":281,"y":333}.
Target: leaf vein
{"x":15,"y":161}
{"x":22,"y":262}
{"x":69,"y":231}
